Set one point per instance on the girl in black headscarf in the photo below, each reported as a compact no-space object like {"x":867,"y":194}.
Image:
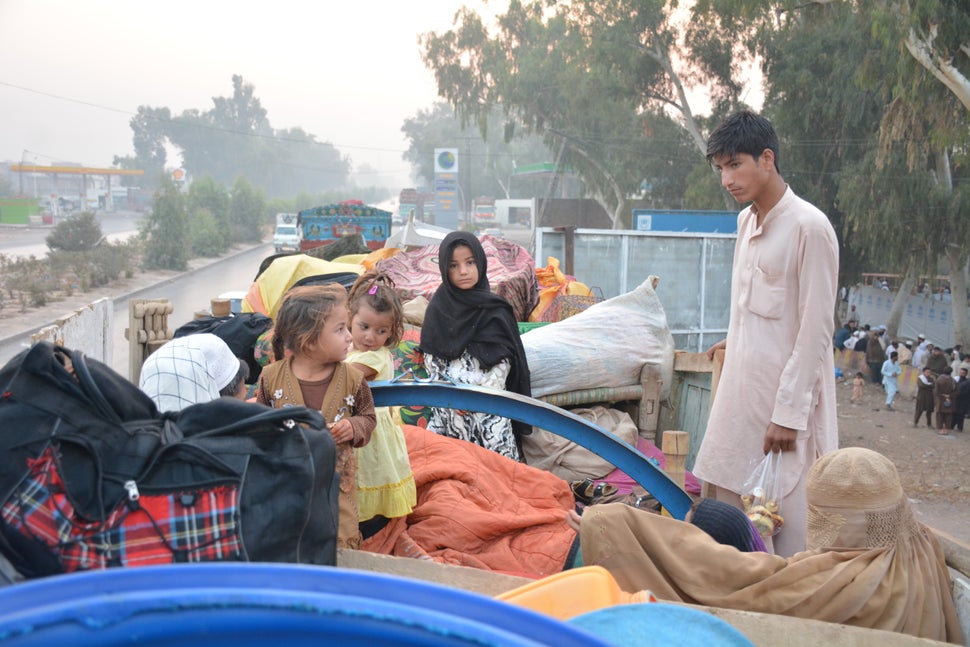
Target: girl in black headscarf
{"x":470,"y":335}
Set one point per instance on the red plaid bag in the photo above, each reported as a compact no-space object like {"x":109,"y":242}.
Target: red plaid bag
{"x":189,"y":525}
{"x":93,"y":476}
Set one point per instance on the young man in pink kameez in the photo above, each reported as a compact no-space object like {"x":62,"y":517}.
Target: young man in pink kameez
{"x":777,"y":388}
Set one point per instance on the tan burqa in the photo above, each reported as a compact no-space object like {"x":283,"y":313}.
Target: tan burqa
{"x":869,"y":563}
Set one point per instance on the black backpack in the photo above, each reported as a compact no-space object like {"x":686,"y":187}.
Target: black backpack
{"x":93,"y":476}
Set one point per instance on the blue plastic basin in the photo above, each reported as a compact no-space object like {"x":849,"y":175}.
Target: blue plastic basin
{"x":262,"y":604}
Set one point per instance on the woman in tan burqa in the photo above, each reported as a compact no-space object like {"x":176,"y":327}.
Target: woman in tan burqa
{"x":869,"y":563}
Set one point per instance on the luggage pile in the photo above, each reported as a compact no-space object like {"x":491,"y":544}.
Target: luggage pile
{"x":93,"y":476}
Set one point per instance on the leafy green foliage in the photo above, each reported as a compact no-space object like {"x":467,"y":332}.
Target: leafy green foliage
{"x":76,"y":234}
{"x":92,"y":268}
{"x":208,"y":197}
{"x":887,"y":208}
{"x":704,"y":190}
{"x":234,"y":138}
{"x":26,"y":281}
{"x":598,"y":79}
{"x":877,"y":135}
{"x":246,"y":211}
{"x":166,"y":230}
{"x":827,"y":120}
{"x":487,"y":161}
{"x":149,"y":127}
{"x":205,"y":233}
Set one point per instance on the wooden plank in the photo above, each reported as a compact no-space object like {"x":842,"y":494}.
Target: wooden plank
{"x":676,"y":445}
{"x":685,"y":362}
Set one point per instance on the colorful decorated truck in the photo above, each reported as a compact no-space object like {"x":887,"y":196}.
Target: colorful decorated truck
{"x":323,"y":225}
{"x":483,"y":211}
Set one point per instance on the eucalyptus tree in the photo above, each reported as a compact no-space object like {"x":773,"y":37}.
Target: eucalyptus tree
{"x":234,"y":137}
{"x":487,"y":157}
{"x":585,"y":75}
{"x":148,"y":138}
{"x":906,"y":59}
{"x":814,"y":64}
{"x":935,"y":33}
{"x":228,"y":139}
{"x":930,"y":116}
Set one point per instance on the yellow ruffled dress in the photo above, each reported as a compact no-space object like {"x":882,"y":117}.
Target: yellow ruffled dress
{"x":385,"y":483}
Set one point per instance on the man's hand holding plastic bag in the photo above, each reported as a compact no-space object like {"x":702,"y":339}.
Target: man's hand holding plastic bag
{"x":761,"y":493}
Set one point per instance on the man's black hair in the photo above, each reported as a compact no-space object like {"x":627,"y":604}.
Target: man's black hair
{"x":743,"y":132}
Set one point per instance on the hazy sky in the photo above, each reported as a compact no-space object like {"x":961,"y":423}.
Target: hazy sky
{"x":349,"y":72}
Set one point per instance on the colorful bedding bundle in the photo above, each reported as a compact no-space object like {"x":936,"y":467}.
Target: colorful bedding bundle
{"x":511,"y":273}
{"x":478,"y":508}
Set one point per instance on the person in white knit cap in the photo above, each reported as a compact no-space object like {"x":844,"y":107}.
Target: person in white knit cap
{"x":190,"y":370}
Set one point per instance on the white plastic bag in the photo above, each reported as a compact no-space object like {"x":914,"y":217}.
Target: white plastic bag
{"x":761,"y":494}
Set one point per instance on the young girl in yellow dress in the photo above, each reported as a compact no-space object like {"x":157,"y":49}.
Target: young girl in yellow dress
{"x":312,"y":325}
{"x":385,"y":483}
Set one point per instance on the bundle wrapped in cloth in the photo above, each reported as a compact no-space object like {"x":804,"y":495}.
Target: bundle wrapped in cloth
{"x":605,"y":346}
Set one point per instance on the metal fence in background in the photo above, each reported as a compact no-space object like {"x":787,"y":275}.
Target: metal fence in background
{"x":694,"y":271}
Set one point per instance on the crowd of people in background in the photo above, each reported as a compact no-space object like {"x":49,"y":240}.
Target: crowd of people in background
{"x":942,"y":384}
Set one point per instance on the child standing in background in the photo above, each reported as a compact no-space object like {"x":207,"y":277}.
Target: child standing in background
{"x":385,"y":484}
{"x":858,"y":384}
{"x":312,"y":325}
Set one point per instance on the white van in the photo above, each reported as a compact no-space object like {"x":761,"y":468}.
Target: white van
{"x":286,"y":236}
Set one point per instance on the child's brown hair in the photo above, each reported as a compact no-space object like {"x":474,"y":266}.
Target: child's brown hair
{"x":302,"y":314}
{"x":376,"y":289}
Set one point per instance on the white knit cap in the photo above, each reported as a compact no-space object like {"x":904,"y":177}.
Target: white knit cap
{"x":188,"y":370}
{"x":221,"y":364}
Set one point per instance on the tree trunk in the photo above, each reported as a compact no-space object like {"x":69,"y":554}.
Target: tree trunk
{"x":899,"y":302}
{"x":957,"y":258}
{"x":921,"y":47}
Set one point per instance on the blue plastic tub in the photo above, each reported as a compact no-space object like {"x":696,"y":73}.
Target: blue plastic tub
{"x":263,"y":604}
{"x":658,"y":624}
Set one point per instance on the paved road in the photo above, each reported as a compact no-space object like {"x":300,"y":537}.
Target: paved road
{"x":188,"y":293}
{"x":26,"y":241}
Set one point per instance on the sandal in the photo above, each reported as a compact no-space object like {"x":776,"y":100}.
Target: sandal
{"x":588,"y":491}
{"x":645,"y":502}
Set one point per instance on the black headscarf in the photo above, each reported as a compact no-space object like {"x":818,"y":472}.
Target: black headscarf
{"x":474,"y":320}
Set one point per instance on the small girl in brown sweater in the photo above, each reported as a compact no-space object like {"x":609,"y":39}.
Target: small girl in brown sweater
{"x":858,"y":383}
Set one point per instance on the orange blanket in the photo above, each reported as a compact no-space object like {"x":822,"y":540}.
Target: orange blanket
{"x":477,"y":508}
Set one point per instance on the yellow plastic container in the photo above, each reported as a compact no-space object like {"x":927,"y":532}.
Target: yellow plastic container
{"x":573,"y":592}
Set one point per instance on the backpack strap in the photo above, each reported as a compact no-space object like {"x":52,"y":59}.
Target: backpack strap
{"x":88,"y":384}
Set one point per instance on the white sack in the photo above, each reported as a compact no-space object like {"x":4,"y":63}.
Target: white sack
{"x":606,"y":345}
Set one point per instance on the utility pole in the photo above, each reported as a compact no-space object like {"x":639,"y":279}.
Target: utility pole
{"x":468,"y":180}
{"x":22,"y":157}
{"x":465,"y":175}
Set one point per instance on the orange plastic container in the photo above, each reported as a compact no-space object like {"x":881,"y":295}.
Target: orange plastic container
{"x":573,"y":592}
